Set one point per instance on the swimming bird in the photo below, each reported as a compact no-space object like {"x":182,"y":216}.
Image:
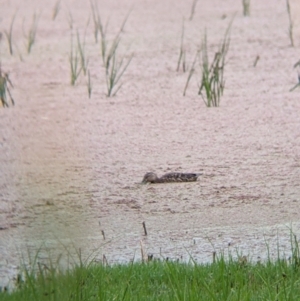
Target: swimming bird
{"x":172,"y":177}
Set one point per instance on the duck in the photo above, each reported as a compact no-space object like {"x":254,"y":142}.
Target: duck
{"x":171,"y":177}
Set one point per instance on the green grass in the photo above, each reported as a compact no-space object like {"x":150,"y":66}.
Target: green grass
{"x":96,"y":19}
{"x":70,"y":20}
{"x":212,"y":84}
{"x":81,"y":49}
{"x":224,"y":279}
{"x":193,"y":9}
{"x":246,"y":7}
{"x":291,"y":23}
{"x":191,"y":73}
{"x":182,"y":53}
{"x":89,"y":85}
{"x":8,"y":35}
{"x":31,"y":36}
{"x":75,"y":63}
{"x":56,"y":10}
{"x":114,"y":72}
{"x":115,"y":64}
{"x":77,"y":59}
{"x":256,"y":60}
{"x":5,"y":82}
{"x":296,"y":65}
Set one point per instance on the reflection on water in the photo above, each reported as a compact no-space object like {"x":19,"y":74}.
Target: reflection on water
{"x":66,"y":247}
{"x":44,"y":194}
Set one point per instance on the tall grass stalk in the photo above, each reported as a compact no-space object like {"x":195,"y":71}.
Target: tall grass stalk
{"x":109,"y":52}
{"x":75,"y":63}
{"x":99,"y":28}
{"x":5,"y":82}
{"x":89,"y":85}
{"x":96,"y":18}
{"x":70,"y":20}
{"x":193,"y":9}
{"x":114,"y":73}
{"x":114,"y":64}
{"x":32,"y":33}
{"x":81,"y":50}
{"x":8,"y":34}
{"x":291,"y":24}
{"x":297,"y":85}
{"x":191,"y":73}
{"x":212,"y":82}
{"x":256,"y":60}
{"x":56,"y":10}
{"x":296,"y":65}
{"x":246,"y":7}
{"x":182,"y":52}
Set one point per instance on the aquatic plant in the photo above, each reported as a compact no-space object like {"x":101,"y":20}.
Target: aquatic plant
{"x":5,"y":82}
{"x":212,"y":83}
{"x":291,"y":23}
{"x":246,"y":7}
{"x":193,"y":9}
{"x":56,"y":10}
{"x":8,"y":34}
{"x":31,"y":36}
{"x":115,"y":65}
{"x":89,"y":85}
{"x":182,"y":53}
{"x":74,"y":61}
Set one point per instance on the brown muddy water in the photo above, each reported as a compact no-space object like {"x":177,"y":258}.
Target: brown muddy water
{"x":71,"y":167}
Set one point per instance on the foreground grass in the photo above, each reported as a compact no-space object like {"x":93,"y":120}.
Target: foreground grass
{"x":164,"y":280}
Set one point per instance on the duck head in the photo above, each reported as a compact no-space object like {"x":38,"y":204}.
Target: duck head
{"x":150,"y":177}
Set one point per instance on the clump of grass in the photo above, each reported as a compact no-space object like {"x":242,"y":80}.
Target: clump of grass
{"x":8,"y":34}
{"x":5,"y":82}
{"x":77,"y":57}
{"x":212,"y":82}
{"x":56,"y":10}
{"x":115,"y":65}
{"x":31,"y":36}
{"x":182,"y":52}
{"x":226,"y":278}
{"x":114,"y":72}
{"x":106,"y":51}
{"x":246,"y":7}
{"x":291,"y":24}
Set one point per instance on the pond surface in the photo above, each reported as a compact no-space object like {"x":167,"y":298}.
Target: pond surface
{"x":71,"y":166}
